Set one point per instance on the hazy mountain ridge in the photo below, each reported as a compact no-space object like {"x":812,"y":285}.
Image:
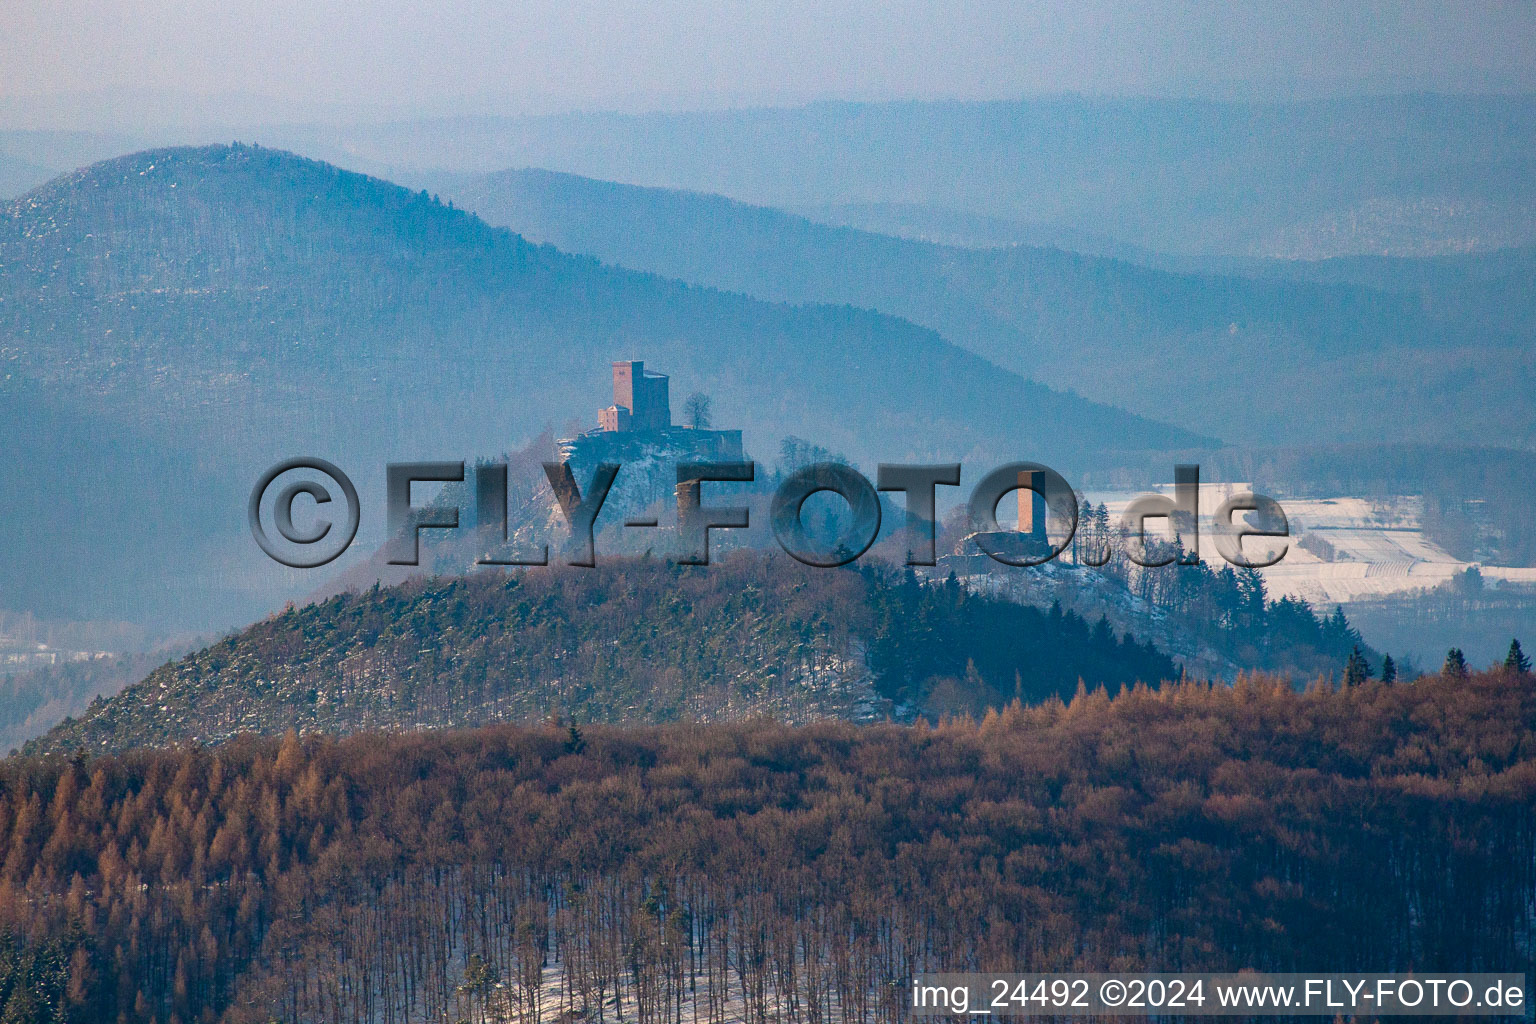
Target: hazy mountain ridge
{"x":249,"y":305}
{"x":82,"y":241}
{"x":1296,"y":179}
{"x":1207,"y":345}
{"x":1494,"y":291}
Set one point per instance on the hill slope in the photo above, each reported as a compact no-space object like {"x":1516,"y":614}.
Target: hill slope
{"x":1441,"y":348}
{"x":264,"y":306}
{"x":628,"y":642}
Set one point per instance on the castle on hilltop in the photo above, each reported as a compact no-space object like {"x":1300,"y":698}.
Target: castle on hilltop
{"x":640,"y":421}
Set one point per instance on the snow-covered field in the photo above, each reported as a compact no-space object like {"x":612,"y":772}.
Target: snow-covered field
{"x":1360,"y":548}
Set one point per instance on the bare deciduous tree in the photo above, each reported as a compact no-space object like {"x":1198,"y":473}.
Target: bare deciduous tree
{"x":696,"y":410}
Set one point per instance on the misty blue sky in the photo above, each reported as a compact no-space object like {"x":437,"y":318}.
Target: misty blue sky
{"x":313,"y":58}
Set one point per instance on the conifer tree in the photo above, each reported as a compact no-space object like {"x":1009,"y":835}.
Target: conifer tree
{"x":1388,"y":670}
{"x":1356,"y":670}
{"x":1455,"y":665}
{"x":1515,"y":660}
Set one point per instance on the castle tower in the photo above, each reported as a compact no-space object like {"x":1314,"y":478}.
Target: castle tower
{"x":643,"y":394}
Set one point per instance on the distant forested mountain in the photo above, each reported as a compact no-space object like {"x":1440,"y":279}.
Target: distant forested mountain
{"x":1284,"y":353}
{"x":1407,"y":175}
{"x":1493,"y":292}
{"x":632,"y":641}
{"x":237,"y":306}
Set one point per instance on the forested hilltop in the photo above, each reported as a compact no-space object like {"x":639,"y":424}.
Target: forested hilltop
{"x":631,"y":641}
{"x":764,"y":872}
